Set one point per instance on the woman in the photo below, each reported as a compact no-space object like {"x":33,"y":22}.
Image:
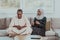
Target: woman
{"x":39,"y":24}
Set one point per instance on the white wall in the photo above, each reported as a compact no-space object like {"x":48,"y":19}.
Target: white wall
{"x":56,"y":13}
{"x":11,"y":13}
{"x":57,"y":9}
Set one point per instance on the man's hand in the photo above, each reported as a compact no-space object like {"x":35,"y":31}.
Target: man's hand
{"x":17,"y":26}
{"x":24,"y":25}
{"x":37,"y":22}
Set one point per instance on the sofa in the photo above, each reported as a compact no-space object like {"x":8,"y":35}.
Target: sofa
{"x":56,"y":26}
{"x":4,"y":24}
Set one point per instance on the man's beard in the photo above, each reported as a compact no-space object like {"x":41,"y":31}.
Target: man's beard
{"x":19,"y":17}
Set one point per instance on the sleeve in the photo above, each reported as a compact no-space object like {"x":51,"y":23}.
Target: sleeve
{"x":35,"y":20}
{"x":12,"y":23}
{"x":29,"y":29}
{"x":43,"y":22}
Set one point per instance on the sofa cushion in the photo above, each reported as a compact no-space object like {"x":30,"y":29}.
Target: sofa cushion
{"x":56,"y":23}
{"x":6,"y":38}
{"x":57,"y":31}
{"x":8,"y":20}
{"x":3,"y":33}
{"x":48,"y":24}
{"x":50,"y":33}
{"x":3,"y":23}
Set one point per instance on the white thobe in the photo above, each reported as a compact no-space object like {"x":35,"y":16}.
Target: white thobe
{"x":21,"y":22}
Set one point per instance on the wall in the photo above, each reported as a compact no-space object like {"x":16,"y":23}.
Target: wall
{"x":57,"y":9}
{"x":11,"y":13}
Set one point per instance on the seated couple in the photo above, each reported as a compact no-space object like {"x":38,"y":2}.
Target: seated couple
{"x":20,"y":26}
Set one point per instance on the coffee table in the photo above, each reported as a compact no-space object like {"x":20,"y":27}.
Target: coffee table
{"x":37,"y":37}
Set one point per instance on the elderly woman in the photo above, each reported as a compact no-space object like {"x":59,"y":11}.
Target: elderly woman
{"x":39,"y":24}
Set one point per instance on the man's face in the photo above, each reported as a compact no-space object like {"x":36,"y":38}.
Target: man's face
{"x":38,"y":12}
{"x":19,"y":14}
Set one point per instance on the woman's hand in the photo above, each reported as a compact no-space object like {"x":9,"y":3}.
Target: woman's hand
{"x":32,"y":23}
{"x":37,"y":22}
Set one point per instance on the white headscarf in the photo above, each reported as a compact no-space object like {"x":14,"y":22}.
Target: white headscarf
{"x":40,"y":16}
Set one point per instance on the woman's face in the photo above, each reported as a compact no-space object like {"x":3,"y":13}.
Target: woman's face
{"x":39,"y":12}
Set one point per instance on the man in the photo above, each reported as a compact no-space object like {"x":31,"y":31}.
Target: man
{"x":19,"y":26}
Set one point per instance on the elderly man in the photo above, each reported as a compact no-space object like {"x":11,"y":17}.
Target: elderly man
{"x":19,"y":26}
